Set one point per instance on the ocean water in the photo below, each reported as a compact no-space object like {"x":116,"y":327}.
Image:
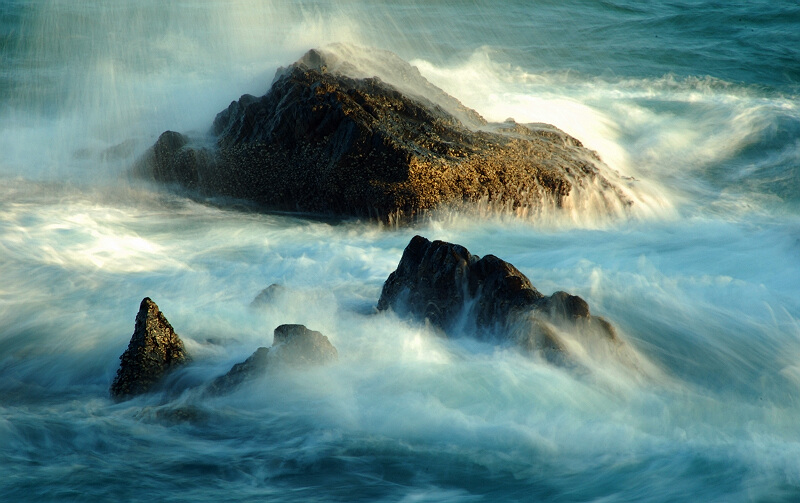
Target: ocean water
{"x":695,"y":101}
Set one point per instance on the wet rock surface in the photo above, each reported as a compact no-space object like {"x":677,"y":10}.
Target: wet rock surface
{"x":293,"y":345}
{"x":444,"y":284}
{"x":326,"y":142}
{"x":153,"y":351}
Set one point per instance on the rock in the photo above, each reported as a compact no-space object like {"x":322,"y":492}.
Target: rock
{"x":154,"y":350}
{"x":293,"y":345}
{"x":327,"y":142}
{"x":297,"y":345}
{"x":252,"y":367}
{"x":445,"y":285}
{"x":268,"y":295}
{"x":363,"y":63}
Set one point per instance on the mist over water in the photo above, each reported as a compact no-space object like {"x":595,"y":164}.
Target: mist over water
{"x":695,"y":106}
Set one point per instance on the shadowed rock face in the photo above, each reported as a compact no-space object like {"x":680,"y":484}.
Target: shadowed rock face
{"x":446,"y":285}
{"x":154,"y":350}
{"x":293,"y":345}
{"x":322,"y":141}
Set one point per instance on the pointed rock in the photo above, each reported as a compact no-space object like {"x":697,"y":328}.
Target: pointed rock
{"x":154,"y":350}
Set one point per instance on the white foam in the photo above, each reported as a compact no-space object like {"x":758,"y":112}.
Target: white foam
{"x":668,"y":133}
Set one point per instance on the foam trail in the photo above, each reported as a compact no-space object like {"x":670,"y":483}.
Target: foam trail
{"x":400,"y":397}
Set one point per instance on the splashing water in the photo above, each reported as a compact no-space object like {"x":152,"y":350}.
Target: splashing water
{"x":695,"y":108}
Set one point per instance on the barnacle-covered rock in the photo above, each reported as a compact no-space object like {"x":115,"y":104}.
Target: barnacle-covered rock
{"x":330,"y":138}
{"x":154,"y":350}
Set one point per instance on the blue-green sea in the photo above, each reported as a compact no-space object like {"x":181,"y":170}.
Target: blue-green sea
{"x":695,"y":102}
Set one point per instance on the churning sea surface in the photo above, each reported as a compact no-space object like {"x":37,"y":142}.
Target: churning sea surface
{"x":695,"y":101}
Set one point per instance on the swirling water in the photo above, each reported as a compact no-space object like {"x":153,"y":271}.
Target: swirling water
{"x":696,"y":101}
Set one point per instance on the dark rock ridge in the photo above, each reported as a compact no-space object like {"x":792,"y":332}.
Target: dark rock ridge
{"x":154,"y":350}
{"x":447,"y":286}
{"x":293,"y":345}
{"x":326,"y":139}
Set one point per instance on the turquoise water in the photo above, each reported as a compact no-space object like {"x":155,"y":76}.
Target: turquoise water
{"x":697,"y":101}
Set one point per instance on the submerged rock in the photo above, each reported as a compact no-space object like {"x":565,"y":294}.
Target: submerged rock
{"x":268,"y":295}
{"x":327,"y":139}
{"x":293,"y":345}
{"x":154,"y":350}
{"x":444,"y":284}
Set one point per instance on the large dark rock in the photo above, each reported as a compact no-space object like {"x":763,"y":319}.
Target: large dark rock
{"x":293,"y":345}
{"x":154,"y":350}
{"x":327,"y":139}
{"x":444,"y":284}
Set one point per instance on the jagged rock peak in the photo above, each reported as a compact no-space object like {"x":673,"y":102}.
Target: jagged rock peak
{"x":154,"y":350}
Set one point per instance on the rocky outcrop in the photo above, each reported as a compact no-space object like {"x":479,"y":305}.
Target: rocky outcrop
{"x":293,"y":345}
{"x":445,"y":285}
{"x":153,"y":351}
{"x":324,"y":141}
